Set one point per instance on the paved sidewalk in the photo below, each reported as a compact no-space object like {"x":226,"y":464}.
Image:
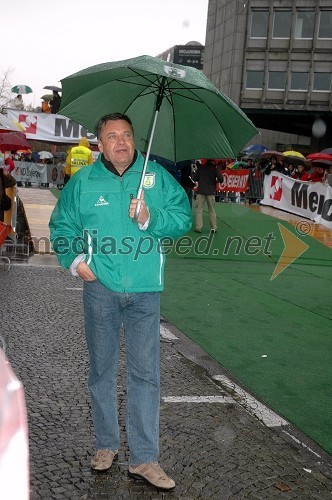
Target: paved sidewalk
{"x":38,"y":205}
{"x":213,"y":439}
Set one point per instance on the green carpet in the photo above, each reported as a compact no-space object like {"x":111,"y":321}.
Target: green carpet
{"x":227,"y":303}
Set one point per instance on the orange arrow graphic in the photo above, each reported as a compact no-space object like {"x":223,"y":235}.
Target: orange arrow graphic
{"x":294,"y":247}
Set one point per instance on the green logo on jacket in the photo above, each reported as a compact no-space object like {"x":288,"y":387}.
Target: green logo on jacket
{"x":149,"y":180}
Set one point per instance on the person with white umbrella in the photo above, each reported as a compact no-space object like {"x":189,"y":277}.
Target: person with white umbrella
{"x":17,"y":103}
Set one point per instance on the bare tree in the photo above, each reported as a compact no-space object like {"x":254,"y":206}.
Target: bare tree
{"x":5,"y":87}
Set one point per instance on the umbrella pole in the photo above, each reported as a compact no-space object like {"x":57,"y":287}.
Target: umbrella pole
{"x":158,"y":104}
{"x":140,"y":189}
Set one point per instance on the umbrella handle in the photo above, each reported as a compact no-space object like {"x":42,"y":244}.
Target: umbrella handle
{"x":138,"y":206}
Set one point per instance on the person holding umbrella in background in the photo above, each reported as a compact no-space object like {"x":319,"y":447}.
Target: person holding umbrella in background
{"x":17,"y":102}
{"x":45,"y":107}
{"x":55,"y":98}
{"x":122,"y":286}
{"x":300,"y":173}
{"x":317,"y":174}
{"x":55,"y":102}
{"x":274,"y":166}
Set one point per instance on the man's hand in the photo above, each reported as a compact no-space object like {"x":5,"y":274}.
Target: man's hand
{"x":85,"y":272}
{"x":140,"y":205}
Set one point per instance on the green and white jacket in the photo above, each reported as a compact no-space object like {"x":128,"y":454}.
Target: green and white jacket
{"x":92,"y":218}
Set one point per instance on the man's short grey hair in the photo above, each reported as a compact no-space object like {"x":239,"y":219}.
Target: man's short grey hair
{"x":112,"y":117}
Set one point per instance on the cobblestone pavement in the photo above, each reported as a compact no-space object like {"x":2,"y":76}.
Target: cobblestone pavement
{"x":213,"y":450}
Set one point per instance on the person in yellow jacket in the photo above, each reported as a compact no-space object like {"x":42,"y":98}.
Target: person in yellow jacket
{"x":78,"y":157}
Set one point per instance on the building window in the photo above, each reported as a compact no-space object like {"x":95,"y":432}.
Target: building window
{"x":255,"y":79}
{"x":322,"y":82}
{"x":299,"y":81}
{"x":277,"y":80}
{"x":325,"y":24}
{"x":304,"y":27}
{"x":282,"y":23}
{"x":259,"y":23}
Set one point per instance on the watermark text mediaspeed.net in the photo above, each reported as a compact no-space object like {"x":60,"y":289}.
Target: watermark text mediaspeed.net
{"x":201,"y":246}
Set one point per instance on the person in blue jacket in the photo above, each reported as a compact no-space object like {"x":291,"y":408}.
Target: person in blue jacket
{"x":96,"y":232}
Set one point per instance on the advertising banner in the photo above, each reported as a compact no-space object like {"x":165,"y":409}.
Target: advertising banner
{"x":234,"y":181}
{"x":38,"y":173}
{"x":50,"y":127}
{"x":312,"y":200}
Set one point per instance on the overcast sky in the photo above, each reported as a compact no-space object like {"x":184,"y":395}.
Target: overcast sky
{"x":43,"y":41}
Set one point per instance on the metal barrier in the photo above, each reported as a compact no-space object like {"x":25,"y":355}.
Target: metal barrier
{"x":255,"y":191}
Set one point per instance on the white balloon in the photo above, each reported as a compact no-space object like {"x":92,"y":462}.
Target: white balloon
{"x":318,"y":128}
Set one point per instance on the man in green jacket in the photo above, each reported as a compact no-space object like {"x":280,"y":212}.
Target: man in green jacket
{"x":97,"y":233}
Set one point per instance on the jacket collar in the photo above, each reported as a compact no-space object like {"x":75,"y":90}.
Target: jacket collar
{"x":109,"y":165}
{"x":99,"y":168}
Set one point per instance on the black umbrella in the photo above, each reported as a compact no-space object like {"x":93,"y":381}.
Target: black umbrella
{"x":53,"y":87}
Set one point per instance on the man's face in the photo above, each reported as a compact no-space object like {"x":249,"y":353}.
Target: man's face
{"x":116,"y":141}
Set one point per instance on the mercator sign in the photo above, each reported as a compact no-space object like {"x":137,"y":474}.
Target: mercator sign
{"x":50,"y":128}
{"x":312,"y":200}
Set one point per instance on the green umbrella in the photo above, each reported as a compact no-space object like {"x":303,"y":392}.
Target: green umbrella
{"x":177,"y":113}
{"x":22,"y":89}
{"x":47,"y":97}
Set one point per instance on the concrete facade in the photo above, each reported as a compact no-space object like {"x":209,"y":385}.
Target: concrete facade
{"x":273,"y":58}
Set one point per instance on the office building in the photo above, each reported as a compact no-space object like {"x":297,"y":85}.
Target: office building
{"x":273,"y":58}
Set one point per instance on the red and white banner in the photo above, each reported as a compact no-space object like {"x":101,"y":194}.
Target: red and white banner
{"x":234,"y":181}
{"x":49,"y":127}
{"x":312,"y":200}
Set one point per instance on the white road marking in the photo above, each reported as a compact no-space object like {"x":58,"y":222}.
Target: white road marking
{"x":302,"y":444}
{"x":74,"y":288}
{"x":252,"y":405}
{"x":198,"y":399}
{"x":166,"y":334}
{"x":262,"y":412}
